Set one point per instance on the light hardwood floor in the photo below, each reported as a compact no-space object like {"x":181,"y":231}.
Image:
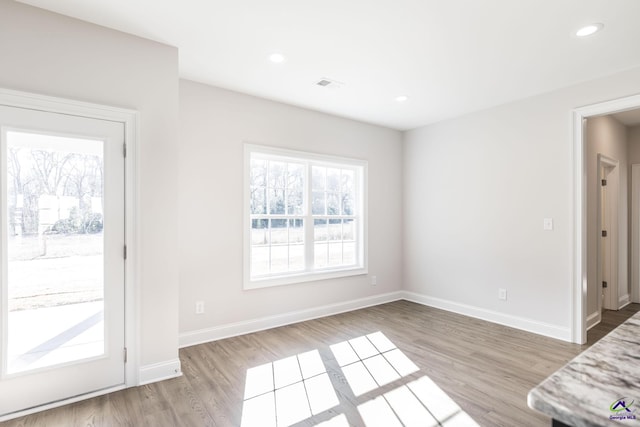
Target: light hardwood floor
{"x":486,"y":369}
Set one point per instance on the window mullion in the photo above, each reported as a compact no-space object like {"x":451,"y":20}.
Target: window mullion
{"x":308,"y":222}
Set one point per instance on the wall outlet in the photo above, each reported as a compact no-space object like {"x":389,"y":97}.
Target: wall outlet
{"x":199,"y":307}
{"x":502,"y":294}
{"x":374,"y":280}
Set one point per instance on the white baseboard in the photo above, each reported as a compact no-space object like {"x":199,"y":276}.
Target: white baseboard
{"x":593,"y":319}
{"x":624,"y":301}
{"x":546,"y":329}
{"x":240,"y":328}
{"x":159,"y":371}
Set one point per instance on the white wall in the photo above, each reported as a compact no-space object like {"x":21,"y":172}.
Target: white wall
{"x":214,"y":123}
{"x":634,"y":144}
{"x":476,"y":191}
{"x":605,"y":135}
{"x":54,"y":55}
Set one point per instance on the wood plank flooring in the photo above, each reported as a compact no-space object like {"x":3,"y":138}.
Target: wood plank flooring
{"x":486,"y":369}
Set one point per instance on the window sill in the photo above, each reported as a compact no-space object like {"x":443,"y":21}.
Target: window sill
{"x":291,"y":279}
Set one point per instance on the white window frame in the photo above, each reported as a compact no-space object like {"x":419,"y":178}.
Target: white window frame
{"x":309,"y":274}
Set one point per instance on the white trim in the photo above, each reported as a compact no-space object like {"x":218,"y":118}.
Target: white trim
{"x":59,"y":403}
{"x":160,"y":371}
{"x":529,"y":325}
{"x":635,"y":233}
{"x":593,"y":319}
{"x":623,"y":301}
{"x":130,"y":118}
{"x":579,"y":249}
{"x":132,"y":238}
{"x":228,"y":330}
{"x":578,"y":304}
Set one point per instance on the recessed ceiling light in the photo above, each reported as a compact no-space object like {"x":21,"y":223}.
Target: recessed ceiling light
{"x":329,"y":83}
{"x":590,"y":29}
{"x":276,"y":58}
{"x":401,"y":98}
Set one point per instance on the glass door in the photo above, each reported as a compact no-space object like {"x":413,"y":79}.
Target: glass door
{"x":62,"y":257}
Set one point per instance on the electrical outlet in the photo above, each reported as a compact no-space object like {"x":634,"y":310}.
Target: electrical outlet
{"x":502,"y":294}
{"x":199,"y":307}
{"x":374,"y":280}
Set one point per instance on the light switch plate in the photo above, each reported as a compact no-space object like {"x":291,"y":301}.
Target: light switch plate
{"x":547,"y":224}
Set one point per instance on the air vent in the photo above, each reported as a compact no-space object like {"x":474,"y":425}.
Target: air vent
{"x":332,"y":84}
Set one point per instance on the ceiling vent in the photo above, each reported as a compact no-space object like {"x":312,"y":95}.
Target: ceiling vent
{"x":333,"y":84}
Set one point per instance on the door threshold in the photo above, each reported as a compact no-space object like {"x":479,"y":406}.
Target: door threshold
{"x":58,"y":403}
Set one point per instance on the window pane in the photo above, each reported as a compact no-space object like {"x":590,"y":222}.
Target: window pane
{"x":258,"y":200}
{"x":259,"y":260}
{"x":259,"y":232}
{"x":320,"y":232}
{"x":335,"y":229}
{"x":277,"y":174}
{"x":54,"y":250}
{"x":279,"y":259}
{"x":333,"y":204}
{"x":318,"y":203}
{"x":296,"y":231}
{"x":335,"y":254}
{"x":318,"y":175}
{"x":347,"y":204}
{"x":349,"y":254}
{"x":320,"y":255}
{"x":348,"y":179}
{"x":279,"y":231}
{"x":294,"y":203}
{"x":276,"y":201}
{"x":333,"y":179}
{"x":348,"y":229}
{"x":258,"y":175}
{"x":295,"y":180}
{"x":296,"y":257}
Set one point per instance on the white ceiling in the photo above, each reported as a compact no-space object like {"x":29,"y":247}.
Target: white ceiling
{"x":450,"y":57}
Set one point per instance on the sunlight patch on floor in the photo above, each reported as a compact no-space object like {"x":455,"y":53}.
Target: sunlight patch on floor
{"x":296,"y":388}
{"x":287,"y":391}
{"x":371,"y":361}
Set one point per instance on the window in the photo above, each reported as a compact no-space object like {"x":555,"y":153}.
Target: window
{"x":305,"y":217}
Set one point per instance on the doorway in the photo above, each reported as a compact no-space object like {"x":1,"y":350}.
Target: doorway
{"x":62,"y":311}
{"x":579,"y":301}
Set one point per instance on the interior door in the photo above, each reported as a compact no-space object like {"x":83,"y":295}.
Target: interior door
{"x":62,"y":261}
{"x":606,"y":241}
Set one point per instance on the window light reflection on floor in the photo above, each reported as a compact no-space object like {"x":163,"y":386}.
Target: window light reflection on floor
{"x":294,"y":389}
{"x":371,"y":361}
{"x":287,"y":391}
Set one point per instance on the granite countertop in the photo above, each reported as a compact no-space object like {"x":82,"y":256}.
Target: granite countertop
{"x":600,"y":387}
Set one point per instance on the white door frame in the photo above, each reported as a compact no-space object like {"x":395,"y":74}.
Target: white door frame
{"x":613,"y":229}
{"x":635,"y":233}
{"x":579,"y":246}
{"x":130,"y":119}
